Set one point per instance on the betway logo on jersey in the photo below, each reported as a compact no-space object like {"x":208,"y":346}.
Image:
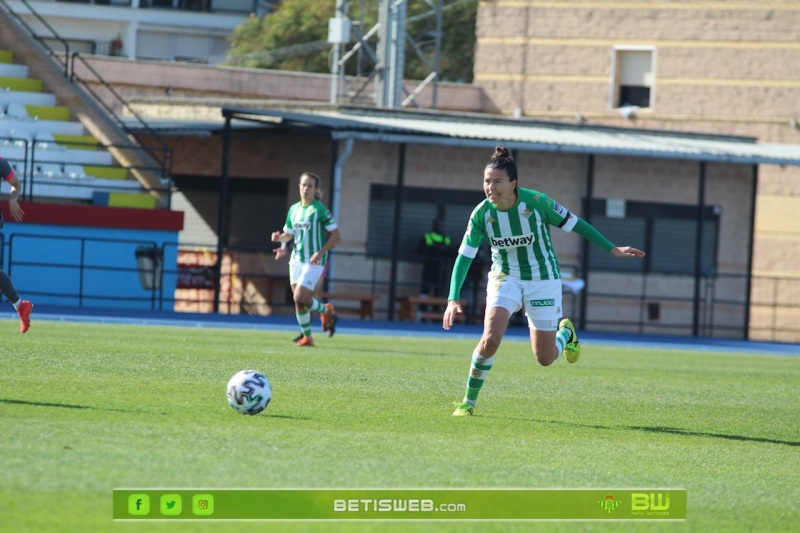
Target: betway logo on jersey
{"x":512,"y":242}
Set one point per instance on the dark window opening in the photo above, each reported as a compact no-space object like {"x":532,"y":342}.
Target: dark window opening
{"x":419,"y":207}
{"x":666,"y":232}
{"x":634,"y":96}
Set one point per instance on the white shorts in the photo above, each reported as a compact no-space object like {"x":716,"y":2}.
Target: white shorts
{"x":540,"y":298}
{"x":305,"y":274}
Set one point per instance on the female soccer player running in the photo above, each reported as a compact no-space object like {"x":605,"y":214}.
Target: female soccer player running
{"x":309,"y":223}
{"x":23,"y":307}
{"x":524,"y":274}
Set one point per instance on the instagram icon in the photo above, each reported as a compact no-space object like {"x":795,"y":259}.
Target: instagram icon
{"x":203,"y":504}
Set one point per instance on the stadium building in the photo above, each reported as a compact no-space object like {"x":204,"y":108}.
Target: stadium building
{"x":636,"y":133}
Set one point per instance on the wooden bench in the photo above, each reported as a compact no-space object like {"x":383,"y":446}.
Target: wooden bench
{"x":410,"y":308}
{"x":366,"y":308}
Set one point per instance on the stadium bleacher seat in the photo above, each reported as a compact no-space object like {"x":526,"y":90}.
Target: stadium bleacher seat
{"x":27,"y":98}
{"x":45,"y":141}
{"x":12,"y":137}
{"x":51,"y":126}
{"x":13,"y":70}
{"x":122,"y":199}
{"x":74,"y":172}
{"x":47,"y":147}
{"x":20,"y":84}
{"x":48,"y":170}
{"x":17,"y":110}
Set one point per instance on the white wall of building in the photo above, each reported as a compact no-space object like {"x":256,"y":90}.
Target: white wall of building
{"x":152,"y":33}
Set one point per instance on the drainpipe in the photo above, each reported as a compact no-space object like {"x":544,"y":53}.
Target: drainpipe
{"x":336,"y":195}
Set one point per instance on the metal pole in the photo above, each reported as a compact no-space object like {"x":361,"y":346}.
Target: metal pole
{"x":398,"y":207}
{"x":750,"y":244}
{"x":337,"y":68}
{"x":437,"y":58}
{"x":585,"y":244}
{"x":335,"y":73}
{"x":222,"y":224}
{"x":398,"y":44}
{"x":698,"y":249}
{"x":384,"y":54}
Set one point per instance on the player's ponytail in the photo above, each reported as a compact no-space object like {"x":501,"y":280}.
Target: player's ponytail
{"x":502,"y":160}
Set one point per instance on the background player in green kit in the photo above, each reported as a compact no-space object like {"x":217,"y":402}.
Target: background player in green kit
{"x":23,"y":307}
{"x":315,"y":234}
{"x":524,"y":274}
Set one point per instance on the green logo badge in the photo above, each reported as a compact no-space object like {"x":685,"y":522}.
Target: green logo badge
{"x":203,"y":504}
{"x":138,"y":504}
{"x":543,"y":303}
{"x":650,"y":503}
{"x":609,"y":503}
{"x":171,"y":504}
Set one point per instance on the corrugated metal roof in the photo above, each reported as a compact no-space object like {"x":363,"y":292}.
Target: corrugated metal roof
{"x":481,"y":131}
{"x":441,"y":129}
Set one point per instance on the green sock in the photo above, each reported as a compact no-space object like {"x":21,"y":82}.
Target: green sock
{"x":317,"y":306}
{"x":478,"y":371}
{"x":562,"y":338}
{"x":304,"y":319}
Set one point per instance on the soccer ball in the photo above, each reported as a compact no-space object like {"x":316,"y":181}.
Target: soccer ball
{"x":249,"y":392}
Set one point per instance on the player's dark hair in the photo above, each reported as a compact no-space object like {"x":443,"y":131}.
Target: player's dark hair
{"x":317,"y":190}
{"x":502,"y":160}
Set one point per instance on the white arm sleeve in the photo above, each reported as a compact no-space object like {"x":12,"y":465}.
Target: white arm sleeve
{"x":570,"y":223}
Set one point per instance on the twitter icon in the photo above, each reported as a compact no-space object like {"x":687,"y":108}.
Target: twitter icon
{"x":171,"y":504}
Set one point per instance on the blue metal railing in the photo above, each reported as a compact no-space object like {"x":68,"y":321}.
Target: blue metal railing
{"x":85,"y":274}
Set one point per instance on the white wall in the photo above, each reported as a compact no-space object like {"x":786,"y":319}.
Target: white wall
{"x":192,"y":35}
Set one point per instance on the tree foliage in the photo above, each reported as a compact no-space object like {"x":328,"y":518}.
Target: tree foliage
{"x":294,"y":37}
{"x":260,"y":42}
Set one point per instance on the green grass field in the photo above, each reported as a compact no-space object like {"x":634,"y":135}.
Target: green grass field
{"x":88,"y":408}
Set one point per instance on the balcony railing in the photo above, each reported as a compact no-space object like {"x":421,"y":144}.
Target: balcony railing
{"x":209,"y":6}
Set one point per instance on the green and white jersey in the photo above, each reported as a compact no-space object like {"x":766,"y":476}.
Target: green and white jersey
{"x":309,"y":225}
{"x":520,"y":236}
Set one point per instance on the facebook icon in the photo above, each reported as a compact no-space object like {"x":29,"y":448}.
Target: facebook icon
{"x":138,"y":504}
